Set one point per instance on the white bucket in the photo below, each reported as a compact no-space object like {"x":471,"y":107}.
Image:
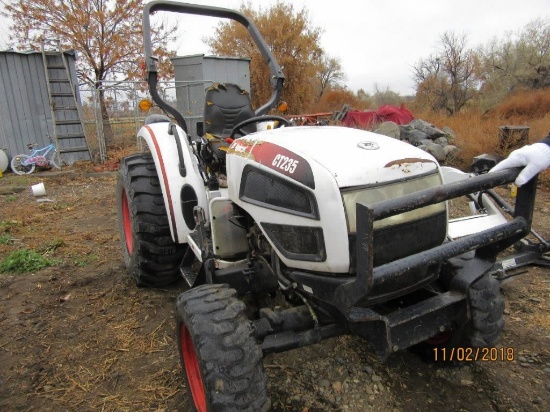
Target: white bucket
{"x":38,"y":189}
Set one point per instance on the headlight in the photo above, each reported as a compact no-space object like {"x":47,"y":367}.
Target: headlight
{"x":265,"y":189}
{"x":371,"y":195}
{"x":297,"y":242}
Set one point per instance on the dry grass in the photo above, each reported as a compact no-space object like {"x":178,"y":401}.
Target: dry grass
{"x":478,"y":133}
{"x":529,"y":104}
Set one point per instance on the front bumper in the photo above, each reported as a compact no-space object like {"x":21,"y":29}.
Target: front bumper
{"x":356,"y":298}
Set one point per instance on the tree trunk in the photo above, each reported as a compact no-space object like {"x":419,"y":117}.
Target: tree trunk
{"x":107,"y":129}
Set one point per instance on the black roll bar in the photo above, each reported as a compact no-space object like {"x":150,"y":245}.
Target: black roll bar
{"x":277,"y":76}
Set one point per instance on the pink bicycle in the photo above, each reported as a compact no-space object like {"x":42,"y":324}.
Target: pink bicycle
{"x":23,"y":164}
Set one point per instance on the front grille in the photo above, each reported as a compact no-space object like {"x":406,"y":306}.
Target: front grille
{"x":397,"y":241}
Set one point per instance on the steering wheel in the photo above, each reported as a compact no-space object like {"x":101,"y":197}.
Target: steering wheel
{"x":257,"y":119}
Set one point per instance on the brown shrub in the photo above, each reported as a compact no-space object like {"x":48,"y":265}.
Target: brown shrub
{"x":525,"y":104}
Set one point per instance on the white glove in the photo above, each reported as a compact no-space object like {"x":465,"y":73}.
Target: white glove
{"x":535,"y":158}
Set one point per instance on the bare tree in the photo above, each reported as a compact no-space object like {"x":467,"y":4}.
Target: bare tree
{"x":330,"y":73}
{"x":447,"y":80}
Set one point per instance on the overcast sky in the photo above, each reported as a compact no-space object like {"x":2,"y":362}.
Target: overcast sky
{"x":378,"y":42}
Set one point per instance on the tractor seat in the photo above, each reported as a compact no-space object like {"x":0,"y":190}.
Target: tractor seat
{"x":226,"y":105}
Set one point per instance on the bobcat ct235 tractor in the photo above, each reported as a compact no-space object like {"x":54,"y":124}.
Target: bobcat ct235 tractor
{"x":351,"y":228}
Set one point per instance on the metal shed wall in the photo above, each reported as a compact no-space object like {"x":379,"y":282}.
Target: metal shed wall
{"x":25,"y":113}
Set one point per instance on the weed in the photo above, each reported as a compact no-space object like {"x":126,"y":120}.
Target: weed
{"x":82,"y":261}
{"x":10,"y":199}
{"x":6,"y":239}
{"x":24,"y":261}
{"x":55,"y":206}
{"x":52,"y":246}
{"x":7,"y":224}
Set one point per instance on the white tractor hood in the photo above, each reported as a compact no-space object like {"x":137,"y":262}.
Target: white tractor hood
{"x":354,"y":157}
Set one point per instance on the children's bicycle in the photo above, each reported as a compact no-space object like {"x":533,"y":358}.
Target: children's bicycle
{"x":23,"y":164}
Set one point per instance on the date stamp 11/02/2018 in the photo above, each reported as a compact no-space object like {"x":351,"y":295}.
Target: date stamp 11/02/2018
{"x":466,"y":354}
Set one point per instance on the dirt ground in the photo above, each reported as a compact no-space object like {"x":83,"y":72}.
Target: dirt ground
{"x":79,"y":336}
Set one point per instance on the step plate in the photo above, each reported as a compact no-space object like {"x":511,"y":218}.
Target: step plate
{"x":189,"y":275}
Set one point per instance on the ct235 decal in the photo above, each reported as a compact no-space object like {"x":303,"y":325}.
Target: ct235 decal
{"x":275,"y":157}
{"x":285,"y":163}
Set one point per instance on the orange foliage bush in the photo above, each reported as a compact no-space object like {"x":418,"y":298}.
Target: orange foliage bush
{"x":333,"y":100}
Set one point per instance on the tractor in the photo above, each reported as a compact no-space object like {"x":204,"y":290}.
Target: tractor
{"x":289,"y":235}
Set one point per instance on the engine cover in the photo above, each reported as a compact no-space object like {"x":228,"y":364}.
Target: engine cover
{"x":293,"y":182}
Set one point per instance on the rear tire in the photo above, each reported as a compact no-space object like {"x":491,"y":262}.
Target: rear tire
{"x":151,"y":256}
{"x":221,"y":361}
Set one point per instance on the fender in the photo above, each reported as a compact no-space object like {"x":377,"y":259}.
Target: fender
{"x":163,"y":148}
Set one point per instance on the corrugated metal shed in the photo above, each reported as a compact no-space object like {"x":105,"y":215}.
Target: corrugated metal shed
{"x":25,"y":113}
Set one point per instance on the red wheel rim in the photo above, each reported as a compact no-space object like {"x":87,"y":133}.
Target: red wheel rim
{"x":127,"y":224}
{"x":191,"y":364}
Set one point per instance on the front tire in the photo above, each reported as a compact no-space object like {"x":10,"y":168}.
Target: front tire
{"x":221,"y":361}
{"x":18,"y":167}
{"x":487,"y":314}
{"x":486,"y":308}
{"x":486,"y":320}
{"x":151,"y":256}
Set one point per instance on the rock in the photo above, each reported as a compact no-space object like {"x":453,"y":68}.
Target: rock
{"x":429,"y":138}
{"x":436,"y":151}
{"x":368,"y":369}
{"x":390,"y":129}
{"x":337,"y":386}
{"x":451,"y":150}
{"x":449,"y":132}
{"x":429,"y":129}
{"x":376,"y":378}
{"x":324,"y":383}
{"x":415,"y":137}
